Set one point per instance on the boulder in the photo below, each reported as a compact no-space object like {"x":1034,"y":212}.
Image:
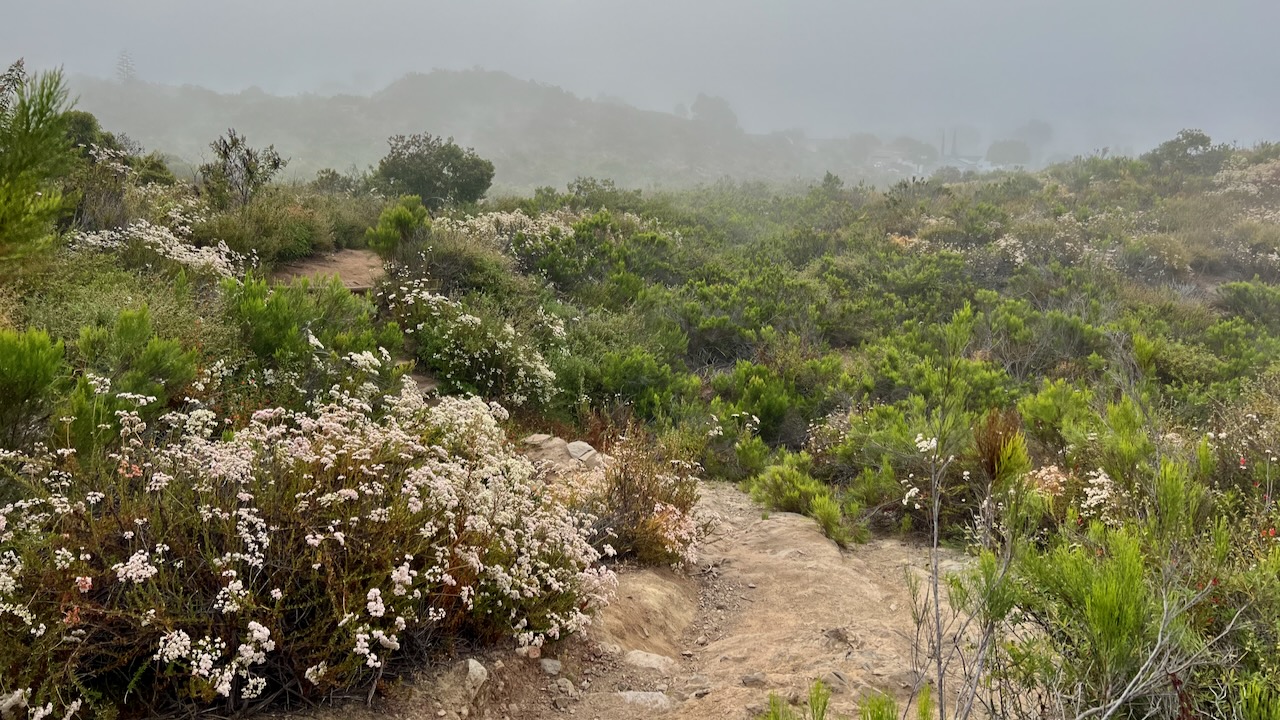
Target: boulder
{"x":650,"y":700}
{"x":649,"y":661}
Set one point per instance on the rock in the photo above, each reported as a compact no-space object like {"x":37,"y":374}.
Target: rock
{"x":837,"y":682}
{"x":702,"y":640}
{"x":649,"y":661}
{"x":551,"y":667}
{"x":650,"y":700}
{"x":533,"y":652}
{"x":460,"y":686}
{"x":536,"y":439}
{"x":754,"y":680}
{"x":477,"y":676}
{"x":566,"y":688}
{"x":590,"y":461}
{"x":579,"y":449}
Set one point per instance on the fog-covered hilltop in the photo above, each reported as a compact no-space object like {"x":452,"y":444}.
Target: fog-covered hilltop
{"x":536,"y":134}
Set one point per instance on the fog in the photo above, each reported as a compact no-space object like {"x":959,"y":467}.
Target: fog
{"x":1124,"y":74}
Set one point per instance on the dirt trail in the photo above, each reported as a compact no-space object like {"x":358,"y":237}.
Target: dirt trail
{"x":360,"y":270}
{"x":772,"y":605}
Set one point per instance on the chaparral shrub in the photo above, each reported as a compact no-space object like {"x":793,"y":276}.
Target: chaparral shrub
{"x":303,"y":554}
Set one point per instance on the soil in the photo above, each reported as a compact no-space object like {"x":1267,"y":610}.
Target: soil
{"x":359,"y":269}
{"x":771,"y":606}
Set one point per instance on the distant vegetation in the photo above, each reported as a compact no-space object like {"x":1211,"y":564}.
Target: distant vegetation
{"x":534,"y":134}
{"x":226,"y":494}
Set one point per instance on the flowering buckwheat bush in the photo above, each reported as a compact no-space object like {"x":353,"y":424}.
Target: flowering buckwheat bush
{"x":167,"y":244}
{"x":472,"y":353}
{"x":297,"y":556}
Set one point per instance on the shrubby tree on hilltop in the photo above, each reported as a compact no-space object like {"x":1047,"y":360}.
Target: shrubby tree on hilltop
{"x":1009,"y":152}
{"x":238,"y":171}
{"x":434,"y":169}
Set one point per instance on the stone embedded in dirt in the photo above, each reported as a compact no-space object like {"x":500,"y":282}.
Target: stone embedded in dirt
{"x":551,"y":667}
{"x":702,"y":640}
{"x":579,"y":449}
{"x":536,"y":439}
{"x":566,"y":687}
{"x":649,"y":661}
{"x":650,"y":700}
{"x":460,"y":686}
{"x":754,"y":680}
{"x":477,"y":676}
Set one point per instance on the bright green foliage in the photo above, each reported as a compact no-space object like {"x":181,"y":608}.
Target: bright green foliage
{"x":788,"y":487}
{"x":30,"y":366}
{"x":398,"y":224}
{"x":815,"y":709}
{"x":650,"y":387}
{"x":124,"y":366}
{"x":279,"y":322}
{"x":1105,"y":612}
{"x":36,"y":151}
{"x":1057,"y":410}
{"x":878,"y":706}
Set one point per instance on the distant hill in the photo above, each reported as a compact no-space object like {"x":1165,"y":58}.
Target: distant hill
{"x":535,"y":134}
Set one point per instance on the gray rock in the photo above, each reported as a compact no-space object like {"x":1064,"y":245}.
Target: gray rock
{"x":551,"y":667}
{"x":537,"y":439}
{"x":590,"y":460}
{"x":754,"y":680}
{"x":650,"y":700}
{"x":649,"y":661}
{"x":476,"y":677}
{"x":579,"y":449}
{"x":566,"y":688}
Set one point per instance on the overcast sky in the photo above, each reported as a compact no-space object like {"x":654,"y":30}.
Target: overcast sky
{"x":1118,"y":72}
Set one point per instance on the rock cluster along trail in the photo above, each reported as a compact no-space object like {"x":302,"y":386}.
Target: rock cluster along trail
{"x":771,"y":605}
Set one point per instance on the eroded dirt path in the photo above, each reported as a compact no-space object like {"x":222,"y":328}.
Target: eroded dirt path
{"x":359,"y":269}
{"x":772,"y":605}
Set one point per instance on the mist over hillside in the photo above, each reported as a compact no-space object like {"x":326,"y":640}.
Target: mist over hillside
{"x":536,"y":134}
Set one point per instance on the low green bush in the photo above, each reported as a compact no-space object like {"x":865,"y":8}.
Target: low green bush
{"x":31,"y":365}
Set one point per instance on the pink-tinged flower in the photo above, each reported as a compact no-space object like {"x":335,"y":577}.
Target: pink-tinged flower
{"x":84,"y":583}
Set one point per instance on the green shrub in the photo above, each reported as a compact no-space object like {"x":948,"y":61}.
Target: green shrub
{"x":31,"y":364}
{"x":815,"y":709}
{"x":123,"y":367}
{"x":788,"y":487}
{"x":399,"y":224}
{"x":651,"y":388}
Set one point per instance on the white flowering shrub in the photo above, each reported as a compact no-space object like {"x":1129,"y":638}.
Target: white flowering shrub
{"x":302,"y":554}
{"x":472,"y":353}
{"x":164,"y":244}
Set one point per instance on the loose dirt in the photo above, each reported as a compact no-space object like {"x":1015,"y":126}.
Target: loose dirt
{"x":360,"y":270}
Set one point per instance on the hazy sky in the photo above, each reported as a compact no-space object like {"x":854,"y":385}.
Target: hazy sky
{"x":1119,"y":72}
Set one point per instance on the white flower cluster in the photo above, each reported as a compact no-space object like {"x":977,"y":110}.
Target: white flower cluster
{"x":468,"y":352}
{"x":219,"y":260}
{"x":475,"y":528}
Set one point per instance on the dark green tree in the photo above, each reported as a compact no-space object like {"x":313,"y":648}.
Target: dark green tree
{"x":34,"y":153}
{"x":435,"y":169}
{"x":238,"y":172}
